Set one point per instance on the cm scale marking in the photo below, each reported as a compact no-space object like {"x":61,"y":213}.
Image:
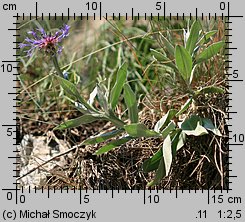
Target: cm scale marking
{"x":225,"y":204}
{"x":94,"y":9}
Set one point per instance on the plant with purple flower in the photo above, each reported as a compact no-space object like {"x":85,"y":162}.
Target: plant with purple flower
{"x":47,"y":42}
{"x":50,"y":44}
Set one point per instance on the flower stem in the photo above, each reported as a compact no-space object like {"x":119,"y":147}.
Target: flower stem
{"x":56,"y":65}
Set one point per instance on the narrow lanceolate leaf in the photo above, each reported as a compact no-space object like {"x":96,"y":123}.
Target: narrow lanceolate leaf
{"x":102,"y":137}
{"x":153,"y":162}
{"x":131,"y":102}
{"x":113,"y":145}
{"x":206,"y":37}
{"x":193,"y":37}
{"x":181,"y":140}
{"x":140,"y":130}
{"x":170,"y":127}
{"x":210,"y":89}
{"x":183,"y":62}
{"x":208,"y":124}
{"x":167,"y":44}
{"x":162,"y":58}
{"x":165,"y":120}
{"x":117,"y":88}
{"x":85,"y":119}
{"x":178,"y":141}
{"x":161,"y":161}
{"x":160,"y":173}
{"x":102,"y":98}
{"x":159,"y":56}
{"x":71,"y":90}
{"x":209,"y":52}
{"x":167,"y":154}
{"x":184,"y":107}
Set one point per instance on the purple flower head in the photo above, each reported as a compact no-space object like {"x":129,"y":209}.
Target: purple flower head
{"x":46,"y":42}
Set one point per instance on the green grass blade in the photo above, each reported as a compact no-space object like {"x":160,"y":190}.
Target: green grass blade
{"x":183,"y":62}
{"x":131,"y":102}
{"x":209,"y":52}
{"x":112,"y":145}
{"x":193,"y":37}
{"x":117,"y":88}
{"x":140,"y":130}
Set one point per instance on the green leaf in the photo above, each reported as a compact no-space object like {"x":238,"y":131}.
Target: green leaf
{"x":85,"y":119}
{"x":153,"y":162}
{"x":167,"y":154}
{"x":102,"y":99}
{"x":167,"y":44}
{"x":162,"y":58}
{"x":168,"y":129}
{"x":190,"y":123}
{"x":207,"y":124}
{"x":210,"y":89}
{"x":131,"y":102}
{"x":193,"y":37}
{"x":165,"y":120}
{"x":161,"y":161}
{"x":160,"y":173}
{"x":102,"y":137}
{"x":184,"y":107}
{"x":209,"y":52}
{"x":193,"y":126}
{"x":117,"y":88}
{"x":183,"y":62}
{"x":140,"y":130}
{"x":178,"y":141}
{"x":71,"y":90}
{"x":181,"y":142}
{"x":112,"y":145}
{"x":199,"y":130}
{"x":206,"y":37}
{"x":159,"y":56}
